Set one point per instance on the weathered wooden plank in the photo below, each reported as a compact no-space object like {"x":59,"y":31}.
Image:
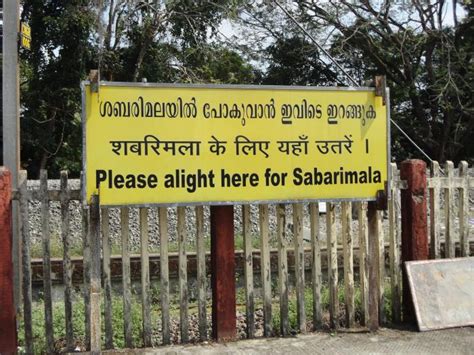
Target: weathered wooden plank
{"x":183,"y":276}
{"x":464,"y":210}
{"x":145,"y":275}
{"x":201,"y":273}
{"x":26,"y":264}
{"x":47,"y":284}
{"x":445,"y":182}
{"x":86,"y":272}
{"x":265,"y":269}
{"x":95,"y":288}
{"x":347,"y":247}
{"x":381,"y":281}
{"x":332,"y":263}
{"x":282,"y":270}
{"x":374,"y":269}
{"x":76,"y":195}
{"x":449,"y":247}
{"x":434,"y":211}
{"x":394,"y":251}
{"x":299,"y":265}
{"x":164,"y":275}
{"x":363,"y":263}
{"x":248,"y":272}
{"x":67,"y":266}
{"x":316,"y":275}
{"x":109,"y":330}
{"x":126,"y":282}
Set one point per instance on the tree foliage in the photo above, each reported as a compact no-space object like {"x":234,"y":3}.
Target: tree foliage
{"x":428,"y":61}
{"x":128,"y":40}
{"x":53,"y":69}
{"x":294,"y":61}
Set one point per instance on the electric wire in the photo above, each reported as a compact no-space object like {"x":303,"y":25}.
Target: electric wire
{"x":348,"y":76}
{"x":317,"y":44}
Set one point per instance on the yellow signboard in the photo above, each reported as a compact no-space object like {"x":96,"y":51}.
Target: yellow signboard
{"x":173,"y":144}
{"x":25,"y":30}
{"x":25,"y":34}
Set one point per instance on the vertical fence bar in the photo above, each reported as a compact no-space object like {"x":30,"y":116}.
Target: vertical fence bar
{"x":183,"y":278}
{"x":374,"y":268}
{"x":67,"y":266}
{"x":299,"y":265}
{"x":265,"y":269}
{"x":464,"y":209}
{"x":399,"y":271}
{"x":394,"y":250}
{"x":381,"y":281}
{"x":248,"y":270}
{"x":449,"y":243}
{"x":86,"y":272}
{"x":95,"y":288}
{"x":164,"y":275}
{"x":434,"y":211}
{"x":145,"y":273}
{"x":316,"y":265}
{"x":109,"y":330}
{"x":363,"y":263}
{"x":201,"y":273}
{"x":126,"y":282}
{"x":26,"y":264}
{"x":332,"y":264}
{"x":47,"y":284}
{"x":347,"y":246}
{"x":282,"y":270}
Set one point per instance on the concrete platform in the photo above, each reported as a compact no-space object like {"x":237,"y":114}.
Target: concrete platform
{"x":385,"y":341}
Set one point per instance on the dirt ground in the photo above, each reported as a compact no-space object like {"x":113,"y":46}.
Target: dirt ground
{"x":384,"y":341}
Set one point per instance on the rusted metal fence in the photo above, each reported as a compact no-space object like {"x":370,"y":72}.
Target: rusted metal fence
{"x":318,"y":252}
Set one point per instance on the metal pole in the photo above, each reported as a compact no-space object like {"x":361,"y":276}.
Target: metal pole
{"x":11,"y":123}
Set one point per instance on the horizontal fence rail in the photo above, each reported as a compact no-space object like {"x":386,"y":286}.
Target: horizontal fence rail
{"x":299,"y":269}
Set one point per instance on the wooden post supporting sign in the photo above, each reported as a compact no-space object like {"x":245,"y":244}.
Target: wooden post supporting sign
{"x":373,"y":266}
{"x":414,"y":224}
{"x":95,"y":288}
{"x":223,"y":273}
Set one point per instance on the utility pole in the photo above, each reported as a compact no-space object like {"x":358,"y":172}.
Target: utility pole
{"x":11,"y":123}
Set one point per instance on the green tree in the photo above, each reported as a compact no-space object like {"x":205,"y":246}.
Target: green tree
{"x":294,"y":61}
{"x":128,"y":40}
{"x":427,"y":61}
{"x":50,"y":92}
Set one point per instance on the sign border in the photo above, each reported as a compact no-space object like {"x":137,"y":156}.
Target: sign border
{"x":85,"y":83}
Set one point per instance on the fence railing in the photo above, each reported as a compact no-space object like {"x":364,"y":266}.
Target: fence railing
{"x":296,"y":229}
